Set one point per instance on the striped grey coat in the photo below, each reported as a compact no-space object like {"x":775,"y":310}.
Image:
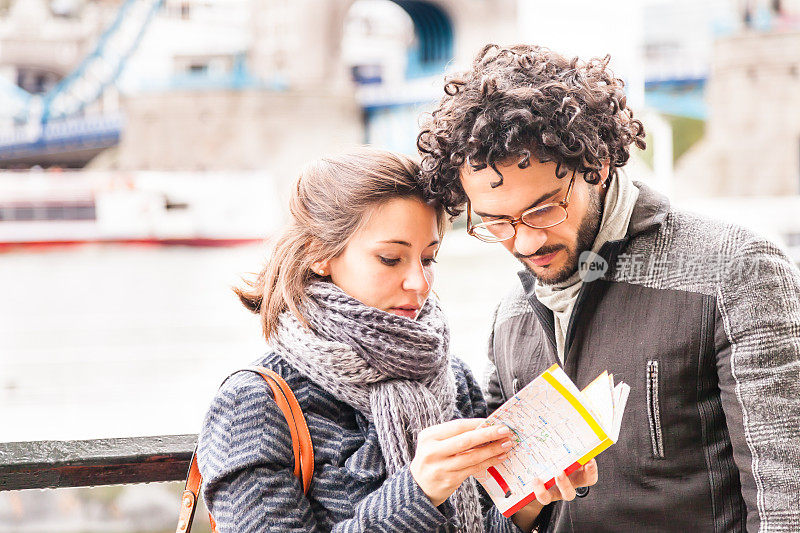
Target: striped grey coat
{"x":245,"y":457}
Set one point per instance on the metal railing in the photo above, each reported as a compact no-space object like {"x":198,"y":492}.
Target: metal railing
{"x":87,"y":463}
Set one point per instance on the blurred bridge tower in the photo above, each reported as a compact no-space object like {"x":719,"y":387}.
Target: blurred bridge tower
{"x":306,"y":102}
{"x":752,"y":141}
{"x":284,"y":93}
{"x":301,"y":39}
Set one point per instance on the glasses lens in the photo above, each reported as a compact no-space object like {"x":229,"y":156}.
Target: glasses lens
{"x":494,"y":231}
{"x":545,"y":216}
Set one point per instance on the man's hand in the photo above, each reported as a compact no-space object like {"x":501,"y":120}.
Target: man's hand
{"x":564,"y":489}
{"x":565,"y":486}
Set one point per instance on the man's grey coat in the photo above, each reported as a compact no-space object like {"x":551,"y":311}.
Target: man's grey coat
{"x":702,"y":320}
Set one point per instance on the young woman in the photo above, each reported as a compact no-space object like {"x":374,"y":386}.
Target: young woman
{"x":345,"y":302}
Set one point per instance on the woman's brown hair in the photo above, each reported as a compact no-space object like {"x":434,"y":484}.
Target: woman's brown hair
{"x":331,"y":200}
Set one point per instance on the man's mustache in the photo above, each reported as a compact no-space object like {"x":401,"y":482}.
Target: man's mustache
{"x":544,"y":250}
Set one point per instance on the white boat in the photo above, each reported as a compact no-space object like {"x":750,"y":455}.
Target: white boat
{"x":185,"y":208}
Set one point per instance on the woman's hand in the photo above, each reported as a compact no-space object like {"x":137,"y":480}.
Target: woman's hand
{"x":449,"y":453}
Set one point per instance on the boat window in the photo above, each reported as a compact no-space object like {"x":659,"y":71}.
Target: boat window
{"x":29,"y":212}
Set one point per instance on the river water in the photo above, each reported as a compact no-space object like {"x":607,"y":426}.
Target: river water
{"x":116,"y":341}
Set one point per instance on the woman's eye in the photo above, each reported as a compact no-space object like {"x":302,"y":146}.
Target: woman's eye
{"x":428,"y":261}
{"x":388,"y":262}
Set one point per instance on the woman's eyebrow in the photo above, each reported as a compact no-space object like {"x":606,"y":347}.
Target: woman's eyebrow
{"x":541,"y":199}
{"x":406,"y":243}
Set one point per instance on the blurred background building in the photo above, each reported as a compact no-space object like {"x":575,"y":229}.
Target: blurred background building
{"x":258,"y":86}
{"x":131,"y":123}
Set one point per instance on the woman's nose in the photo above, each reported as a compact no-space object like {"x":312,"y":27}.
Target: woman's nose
{"x":416,"y":279}
{"x":529,"y":240}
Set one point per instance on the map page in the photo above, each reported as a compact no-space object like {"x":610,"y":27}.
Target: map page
{"x":555,"y":428}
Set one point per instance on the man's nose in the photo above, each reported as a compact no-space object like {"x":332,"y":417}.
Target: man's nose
{"x":529,"y":240}
{"x":416,"y":279}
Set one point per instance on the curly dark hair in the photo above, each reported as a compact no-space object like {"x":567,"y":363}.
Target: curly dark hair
{"x":525,"y":102}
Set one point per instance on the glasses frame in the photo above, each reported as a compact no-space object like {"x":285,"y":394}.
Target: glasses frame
{"x":563,"y":204}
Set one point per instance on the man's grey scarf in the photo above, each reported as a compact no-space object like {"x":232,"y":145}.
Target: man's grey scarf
{"x":394,"y":370}
{"x":560,"y":299}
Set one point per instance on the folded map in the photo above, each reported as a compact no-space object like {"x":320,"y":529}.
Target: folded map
{"x":556,"y":428}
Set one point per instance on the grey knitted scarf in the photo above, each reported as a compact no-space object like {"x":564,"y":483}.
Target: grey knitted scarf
{"x":394,"y":370}
{"x":560,"y":299}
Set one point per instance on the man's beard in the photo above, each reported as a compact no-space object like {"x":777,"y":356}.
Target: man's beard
{"x":587,"y":233}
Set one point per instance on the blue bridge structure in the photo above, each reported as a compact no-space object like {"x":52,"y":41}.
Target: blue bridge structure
{"x":54,"y":128}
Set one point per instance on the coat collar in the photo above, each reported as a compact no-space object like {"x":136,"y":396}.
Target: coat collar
{"x":649,"y":212}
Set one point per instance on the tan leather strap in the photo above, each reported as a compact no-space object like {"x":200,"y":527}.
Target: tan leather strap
{"x":301,"y":445}
{"x":189,"y":499}
{"x":301,"y":438}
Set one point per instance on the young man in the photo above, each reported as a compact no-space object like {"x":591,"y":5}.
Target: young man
{"x":700,"y":318}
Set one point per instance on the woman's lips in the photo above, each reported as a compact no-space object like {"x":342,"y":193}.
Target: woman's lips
{"x":408,"y":312}
{"x":543,"y":259}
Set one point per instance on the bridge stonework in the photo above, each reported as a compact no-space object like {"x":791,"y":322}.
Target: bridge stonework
{"x":308,"y":108}
{"x":752,"y":141}
{"x":235,"y":130}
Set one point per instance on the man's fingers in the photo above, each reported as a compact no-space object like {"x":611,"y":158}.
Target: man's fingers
{"x":585,"y":476}
{"x":543,"y":495}
{"x":590,"y":473}
{"x":564,"y":486}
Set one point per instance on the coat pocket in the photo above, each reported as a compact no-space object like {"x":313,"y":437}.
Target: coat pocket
{"x":654,"y":410}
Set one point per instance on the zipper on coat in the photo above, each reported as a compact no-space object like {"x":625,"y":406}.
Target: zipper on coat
{"x":654,"y":410}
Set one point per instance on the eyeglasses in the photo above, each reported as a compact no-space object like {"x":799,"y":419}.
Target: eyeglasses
{"x":544,"y":216}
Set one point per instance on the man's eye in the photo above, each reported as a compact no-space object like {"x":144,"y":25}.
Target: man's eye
{"x":387,"y":261}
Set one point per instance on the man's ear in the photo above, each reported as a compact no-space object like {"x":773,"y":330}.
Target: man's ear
{"x":604,"y":174}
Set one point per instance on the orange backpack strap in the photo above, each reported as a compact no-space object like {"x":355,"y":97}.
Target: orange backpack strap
{"x":301,"y":445}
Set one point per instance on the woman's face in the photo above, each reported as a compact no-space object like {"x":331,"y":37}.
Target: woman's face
{"x":388,"y":263}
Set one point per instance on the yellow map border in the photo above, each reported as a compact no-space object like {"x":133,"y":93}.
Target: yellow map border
{"x":605,"y":441}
